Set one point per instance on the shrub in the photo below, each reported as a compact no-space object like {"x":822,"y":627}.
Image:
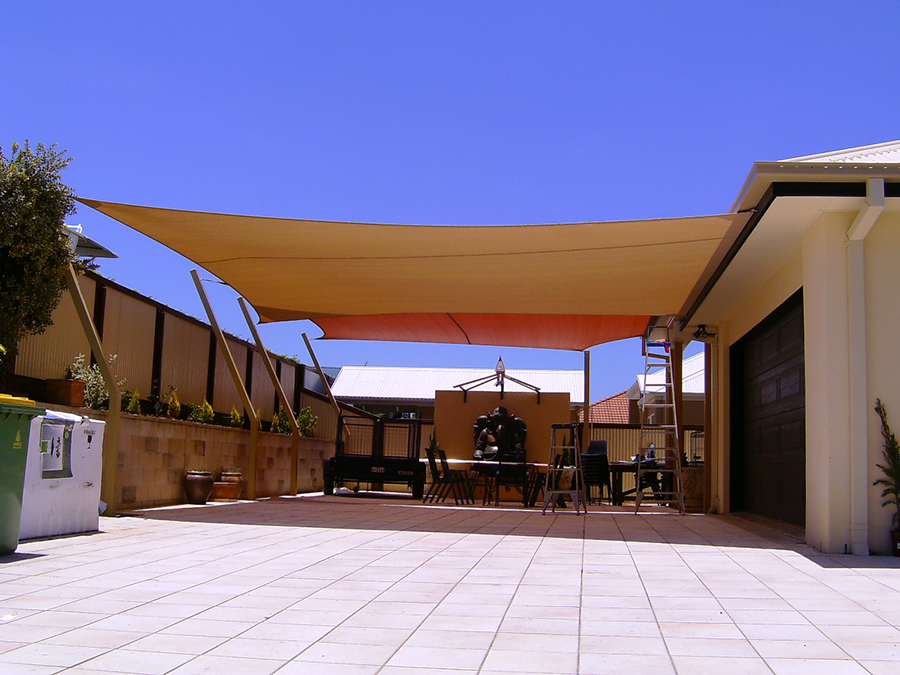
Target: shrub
{"x":134,"y":405}
{"x":280,"y":423}
{"x":173,"y":409}
{"x":237,"y":421}
{"x":307,"y":421}
{"x":96,"y":395}
{"x":203,"y":413}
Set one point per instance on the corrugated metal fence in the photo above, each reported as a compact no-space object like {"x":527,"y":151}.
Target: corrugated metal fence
{"x":156,"y":346}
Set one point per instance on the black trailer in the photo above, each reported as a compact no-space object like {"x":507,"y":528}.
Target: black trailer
{"x":376,"y":451}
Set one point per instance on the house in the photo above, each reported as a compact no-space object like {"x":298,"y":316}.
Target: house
{"x":800,"y":321}
{"x":410,"y":392}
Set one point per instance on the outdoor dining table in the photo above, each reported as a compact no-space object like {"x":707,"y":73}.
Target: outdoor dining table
{"x":617,"y":470}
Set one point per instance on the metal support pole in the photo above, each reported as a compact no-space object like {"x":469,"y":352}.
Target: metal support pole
{"x":108,"y":487}
{"x":334,"y":402}
{"x":586,"y":429}
{"x":295,"y":428}
{"x":238,"y":383}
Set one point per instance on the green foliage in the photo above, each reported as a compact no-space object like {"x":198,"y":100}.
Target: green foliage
{"x":237,"y":421}
{"x":203,"y":413}
{"x":96,"y":395}
{"x":34,"y":248}
{"x":173,"y":407}
{"x":281,"y":424}
{"x":891,"y":466}
{"x":433,"y":445}
{"x":307,"y":421}
{"x":134,"y":405}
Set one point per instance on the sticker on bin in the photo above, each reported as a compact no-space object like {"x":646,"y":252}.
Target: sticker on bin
{"x":56,"y":448}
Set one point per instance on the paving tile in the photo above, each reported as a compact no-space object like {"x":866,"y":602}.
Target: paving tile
{"x":43,"y":654}
{"x":716,"y":665}
{"x":819,"y":667}
{"x":216,"y":665}
{"x":136,"y":662}
{"x":371,"y":587}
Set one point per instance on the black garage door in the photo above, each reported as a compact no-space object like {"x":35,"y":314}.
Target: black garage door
{"x":768,"y":411}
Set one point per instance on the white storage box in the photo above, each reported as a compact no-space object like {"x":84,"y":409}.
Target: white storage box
{"x":62,"y":476}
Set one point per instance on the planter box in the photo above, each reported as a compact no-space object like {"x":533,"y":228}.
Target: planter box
{"x":66,"y":392}
{"x":225,"y":491}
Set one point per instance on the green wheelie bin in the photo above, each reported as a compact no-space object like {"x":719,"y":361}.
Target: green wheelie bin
{"x":15,"y":423}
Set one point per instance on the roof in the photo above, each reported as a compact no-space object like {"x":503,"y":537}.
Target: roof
{"x":610,"y":410}
{"x":563,"y":286}
{"x":888,"y":153}
{"x":356,"y":383}
{"x":693,"y":379}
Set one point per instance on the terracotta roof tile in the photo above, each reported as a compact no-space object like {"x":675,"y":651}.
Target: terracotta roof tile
{"x":610,"y":410}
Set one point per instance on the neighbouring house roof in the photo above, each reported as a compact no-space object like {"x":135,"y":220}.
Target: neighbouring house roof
{"x":610,"y":410}
{"x":693,"y":382}
{"x":417,"y":385}
{"x":888,"y":153}
{"x":562,"y":286}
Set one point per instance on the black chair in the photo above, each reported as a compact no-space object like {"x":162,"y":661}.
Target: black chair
{"x":596,"y":474}
{"x":460,"y":481}
{"x":513,"y":475}
{"x":596,"y":448}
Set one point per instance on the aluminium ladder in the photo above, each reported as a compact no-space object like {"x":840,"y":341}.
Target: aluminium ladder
{"x":563,"y":480}
{"x":659,"y":452}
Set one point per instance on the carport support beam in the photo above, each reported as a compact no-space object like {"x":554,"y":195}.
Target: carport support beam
{"x":238,"y":383}
{"x":110,"y":456}
{"x":295,"y":428}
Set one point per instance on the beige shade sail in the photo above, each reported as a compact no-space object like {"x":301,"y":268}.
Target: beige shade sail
{"x":566,"y":286}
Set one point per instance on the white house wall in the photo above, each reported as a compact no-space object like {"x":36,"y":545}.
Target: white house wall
{"x":883,"y":355}
{"x":827,"y":345}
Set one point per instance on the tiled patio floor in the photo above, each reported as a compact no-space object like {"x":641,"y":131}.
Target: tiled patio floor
{"x":363,"y":586}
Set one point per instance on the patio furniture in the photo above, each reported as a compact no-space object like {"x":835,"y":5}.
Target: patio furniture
{"x":596,"y":474}
{"x":461,"y":481}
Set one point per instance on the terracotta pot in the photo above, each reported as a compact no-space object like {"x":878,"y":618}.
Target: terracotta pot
{"x":225,"y":491}
{"x":197,"y":486}
{"x":66,"y":392}
{"x":693,"y":488}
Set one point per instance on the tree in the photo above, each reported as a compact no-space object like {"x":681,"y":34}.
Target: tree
{"x":34,"y":249}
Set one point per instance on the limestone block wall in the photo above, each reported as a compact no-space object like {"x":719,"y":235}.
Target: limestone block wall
{"x":155,"y":452}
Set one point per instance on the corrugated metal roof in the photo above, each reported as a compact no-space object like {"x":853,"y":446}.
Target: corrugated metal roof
{"x":880,"y":153}
{"x":419,"y":384}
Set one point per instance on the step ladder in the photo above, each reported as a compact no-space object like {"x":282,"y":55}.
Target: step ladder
{"x":659,"y":452}
{"x":564,"y":480}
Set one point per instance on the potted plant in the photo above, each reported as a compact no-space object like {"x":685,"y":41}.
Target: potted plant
{"x":229,"y":486}
{"x":197,"y":486}
{"x":891,"y":469}
{"x":65,"y":391}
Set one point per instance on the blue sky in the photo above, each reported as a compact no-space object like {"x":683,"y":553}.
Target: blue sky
{"x":434,"y":113}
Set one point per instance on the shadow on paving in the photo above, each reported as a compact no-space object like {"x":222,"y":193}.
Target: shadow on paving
{"x":385,"y":512}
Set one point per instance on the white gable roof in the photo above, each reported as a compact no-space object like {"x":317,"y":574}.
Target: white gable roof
{"x":880,"y":153}
{"x":376,"y":383}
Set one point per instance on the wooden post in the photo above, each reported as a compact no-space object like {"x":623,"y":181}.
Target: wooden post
{"x":267,"y":362}
{"x":238,"y":383}
{"x":108,"y":482}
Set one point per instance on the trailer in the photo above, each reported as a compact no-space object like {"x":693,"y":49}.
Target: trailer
{"x":375,"y":452}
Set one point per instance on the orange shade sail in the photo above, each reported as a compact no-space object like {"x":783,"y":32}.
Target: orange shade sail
{"x":565,"y":286}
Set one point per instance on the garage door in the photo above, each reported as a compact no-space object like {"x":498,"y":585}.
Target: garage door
{"x":768,"y":443}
